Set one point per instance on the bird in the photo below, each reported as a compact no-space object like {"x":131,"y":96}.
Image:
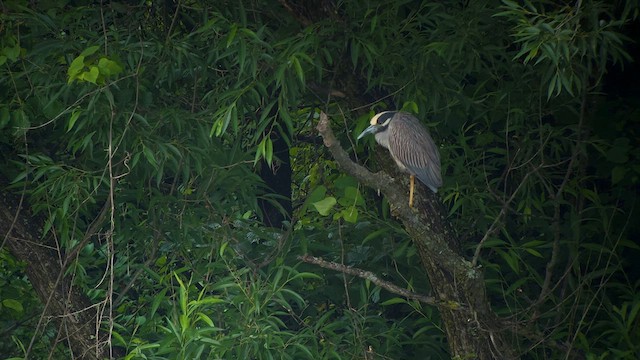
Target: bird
{"x":410,"y":146}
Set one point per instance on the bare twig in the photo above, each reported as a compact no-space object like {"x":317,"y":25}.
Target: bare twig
{"x":544,"y":291}
{"x":173,"y":20}
{"x":368,"y":275}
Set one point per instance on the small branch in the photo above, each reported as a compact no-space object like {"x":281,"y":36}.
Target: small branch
{"x":577,"y":150}
{"x":173,"y":20}
{"x":104,"y":29}
{"x":368,"y":275}
{"x":91,"y":231}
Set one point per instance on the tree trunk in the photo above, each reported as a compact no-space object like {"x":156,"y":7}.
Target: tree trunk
{"x":473,"y":330}
{"x":75,"y":314}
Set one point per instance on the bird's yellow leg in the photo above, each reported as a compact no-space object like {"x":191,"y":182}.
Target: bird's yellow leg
{"x":411,"y":180}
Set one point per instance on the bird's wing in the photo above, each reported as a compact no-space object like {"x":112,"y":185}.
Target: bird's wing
{"x":411,"y":144}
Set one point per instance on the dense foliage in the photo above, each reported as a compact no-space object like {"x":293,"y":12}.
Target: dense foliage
{"x":158,"y":120}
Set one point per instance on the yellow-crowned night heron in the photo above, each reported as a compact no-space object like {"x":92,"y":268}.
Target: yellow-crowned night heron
{"x":410,"y":146}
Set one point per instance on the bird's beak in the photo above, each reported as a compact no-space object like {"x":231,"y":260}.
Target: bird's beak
{"x":370,"y":130}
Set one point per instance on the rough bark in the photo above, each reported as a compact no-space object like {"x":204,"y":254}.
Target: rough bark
{"x":75,"y":314}
{"x":473,"y":329}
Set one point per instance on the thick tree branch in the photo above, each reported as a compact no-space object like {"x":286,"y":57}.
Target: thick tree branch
{"x":397,"y":195}
{"x":473,"y":330}
{"x":65,"y":304}
{"x":376,"y":181}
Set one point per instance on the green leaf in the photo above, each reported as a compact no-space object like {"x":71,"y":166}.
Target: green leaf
{"x":118,"y":339}
{"x":394,"y":301}
{"x":91,"y":75}
{"x":410,"y":106}
{"x":317,"y":194}
{"x":185,"y":322}
{"x":13,"y":304}
{"x":511,"y":259}
{"x":268,"y":151}
{"x":630,"y":244}
{"x":12,"y":52}
{"x":223,"y":123}
{"x":298,"y":69}
{"x":260,"y":151}
{"x":223,"y":247}
{"x":109,"y":67}
{"x":204,"y":318}
{"x":344,"y":181}
{"x":76,"y":66}
{"x":206,"y":301}
{"x":90,"y":51}
{"x":535,"y":244}
{"x":325,"y":205}
{"x":552,"y":86}
{"x":232,"y":34}
{"x":534,"y":252}
{"x":151,"y":158}
{"x":74,"y":117}
{"x":350,"y":214}
{"x":511,"y":4}
{"x":351,"y":197}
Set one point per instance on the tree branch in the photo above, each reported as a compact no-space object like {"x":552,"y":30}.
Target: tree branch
{"x":426,"y":218}
{"x":368,"y":275}
{"x":472,"y":328}
{"x":64,"y":302}
{"x":376,"y":181}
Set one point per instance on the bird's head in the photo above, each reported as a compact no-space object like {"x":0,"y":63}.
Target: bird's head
{"x":379,"y":123}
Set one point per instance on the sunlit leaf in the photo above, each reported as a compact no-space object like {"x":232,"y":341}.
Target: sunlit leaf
{"x":325,"y":205}
{"x":90,"y":51}
{"x":77,"y":65}
{"x":350,"y":214}
{"x":75,"y":114}
{"x":13,"y":304}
